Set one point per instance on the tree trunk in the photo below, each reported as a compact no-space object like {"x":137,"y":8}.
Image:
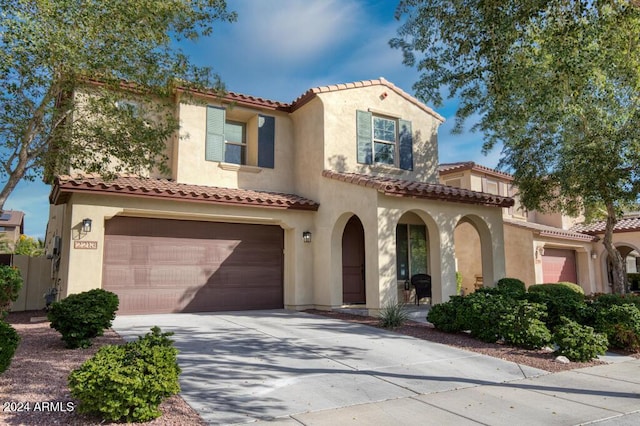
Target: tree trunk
{"x":618,"y":270}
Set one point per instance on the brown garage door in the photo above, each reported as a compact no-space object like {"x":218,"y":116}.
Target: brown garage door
{"x":161,"y":265}
{"x":559,"y":265}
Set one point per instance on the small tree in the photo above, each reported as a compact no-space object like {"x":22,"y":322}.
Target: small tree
{"x":556,"y":82}
{"x":29,"y":246}
{"x":50,"y":48}
{"x":10,"y":285}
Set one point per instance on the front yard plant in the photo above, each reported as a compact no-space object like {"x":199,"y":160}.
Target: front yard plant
{"x":393,"y":316}
{"x":83,"y":316}
{"x":621,"y":324}
{"x":521,"y":325}
{"x":9,"y":340}
{"x":579,"y":342}
{"x":10,"y":285}
{"x":128,"y":382}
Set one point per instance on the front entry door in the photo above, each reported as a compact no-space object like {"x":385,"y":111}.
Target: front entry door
{"x":353,"y":279}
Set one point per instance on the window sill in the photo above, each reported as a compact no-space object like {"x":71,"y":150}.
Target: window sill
{"x":384,"y":168}
{"x":239,"y":168}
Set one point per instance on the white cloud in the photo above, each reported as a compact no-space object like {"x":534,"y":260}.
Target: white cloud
{"x":291,"y":31}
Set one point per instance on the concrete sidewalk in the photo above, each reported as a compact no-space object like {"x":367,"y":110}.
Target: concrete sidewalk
{"x":296,"y":368}
{"x":602,"y":395}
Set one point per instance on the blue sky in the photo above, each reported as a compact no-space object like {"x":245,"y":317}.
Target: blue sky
{"x":278,"y":49}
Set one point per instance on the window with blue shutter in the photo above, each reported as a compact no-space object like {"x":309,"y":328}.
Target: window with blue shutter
{"x":214,"y":143}
{"x":405,"y":146}
{"x":384,"y":140}
{"x":364,"y":131}
{"x":266,"y":141}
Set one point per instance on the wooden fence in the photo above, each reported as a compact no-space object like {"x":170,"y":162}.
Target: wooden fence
{"x":36,"y":273}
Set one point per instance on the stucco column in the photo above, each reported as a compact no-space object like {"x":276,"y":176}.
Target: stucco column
{"x":447,"y":278}
{"x":386,"y":259}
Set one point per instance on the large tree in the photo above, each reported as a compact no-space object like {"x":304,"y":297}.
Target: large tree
{"x":122,"y":54}
{"x":557,"y":82}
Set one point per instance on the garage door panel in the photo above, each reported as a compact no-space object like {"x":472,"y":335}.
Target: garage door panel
{"x":157,"y":265}
{"x":559,"y":265}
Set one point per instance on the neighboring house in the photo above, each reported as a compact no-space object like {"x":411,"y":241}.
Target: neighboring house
{"x":328,"y":201}
{"x":539,"y":248}
{"x":11,"y":227}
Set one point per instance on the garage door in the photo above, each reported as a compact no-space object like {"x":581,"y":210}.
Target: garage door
{"x":559,"y":265}
{"x":161,"y":265}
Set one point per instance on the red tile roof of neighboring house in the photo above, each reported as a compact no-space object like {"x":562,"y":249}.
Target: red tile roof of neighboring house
{"x":128,"y":185}
{"x":431,"y":191}
{"x":550,"y":231}
{"x":448,"y":168}
{"x":626,"y":224}
{"x":311,"y":93}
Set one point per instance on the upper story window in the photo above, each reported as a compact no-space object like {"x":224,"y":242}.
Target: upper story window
{"x":250,"y":142}
{"x":235,"y":150}
{"x":490,"y":186}
{"x":385,"y":140}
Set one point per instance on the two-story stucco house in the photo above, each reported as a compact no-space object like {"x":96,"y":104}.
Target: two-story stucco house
{"x":540,"y":248}
{"x":331,"y":200}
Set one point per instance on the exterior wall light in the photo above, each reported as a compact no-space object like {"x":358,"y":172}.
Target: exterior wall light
{"x":306,"y":236}
{"x":86,"y":225}
{"x":594,"y":255}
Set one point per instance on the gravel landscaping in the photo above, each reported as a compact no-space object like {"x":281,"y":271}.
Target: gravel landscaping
{"x":39,"y":370}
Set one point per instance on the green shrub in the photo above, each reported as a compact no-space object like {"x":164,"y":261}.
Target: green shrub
{"x":521,"y":325}
{"x":621,"y":324}
{"x":511,"y":286}
{"x":577,"y":342}
{"x":83,"y":316}
{"x":9,"y":340}
{"x":605,"y":300}
{"x":10,"y":285}
{"x":481,"y":312}
{"x":444,"y":316}
{"x":393,"y":316}
{"x":560,"y":302}
{"x":128,"y":382}
{"x":558,"y":289}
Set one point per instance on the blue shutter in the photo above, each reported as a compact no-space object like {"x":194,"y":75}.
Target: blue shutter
{"x":266,"y":141}
{"x":214,"y":145}
{"x":406,"y":145}
{"x":364,"y":132}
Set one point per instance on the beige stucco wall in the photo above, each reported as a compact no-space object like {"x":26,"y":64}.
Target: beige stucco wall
{"x":340,"y":108}
{"x":468,"y":255}
{"x":520,"y":254}
{"x":191,"y":166}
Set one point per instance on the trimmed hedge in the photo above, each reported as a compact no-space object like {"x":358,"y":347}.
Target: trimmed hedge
{"x":128,"y":382}
{"x":511,"y":286}
{"x":558,"y":289}
{"x":521,"y":325}
{"x":578,"y":342}
{"x":83,"y":316}
{"x":9,"y":340}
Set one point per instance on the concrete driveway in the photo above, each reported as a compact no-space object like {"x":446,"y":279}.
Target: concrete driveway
{"x":245,"y":366}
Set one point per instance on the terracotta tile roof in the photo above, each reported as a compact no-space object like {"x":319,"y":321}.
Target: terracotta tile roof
{"x":129,"y":185}
{"x":412,"y":189}
{"x":245,"y":100}
{"x":626,"y":224}
{"x":447,"y":168}
{"x":311,"y":93}
{"x":550,"y":231}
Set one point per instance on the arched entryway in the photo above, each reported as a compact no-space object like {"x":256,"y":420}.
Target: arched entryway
{"x":353,"y":263}
{"x":468,"y":257}
{"x":412,"y":253}
{"x":631,"y":258}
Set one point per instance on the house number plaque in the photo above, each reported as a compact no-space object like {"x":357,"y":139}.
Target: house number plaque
{"x":85,"y":245}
